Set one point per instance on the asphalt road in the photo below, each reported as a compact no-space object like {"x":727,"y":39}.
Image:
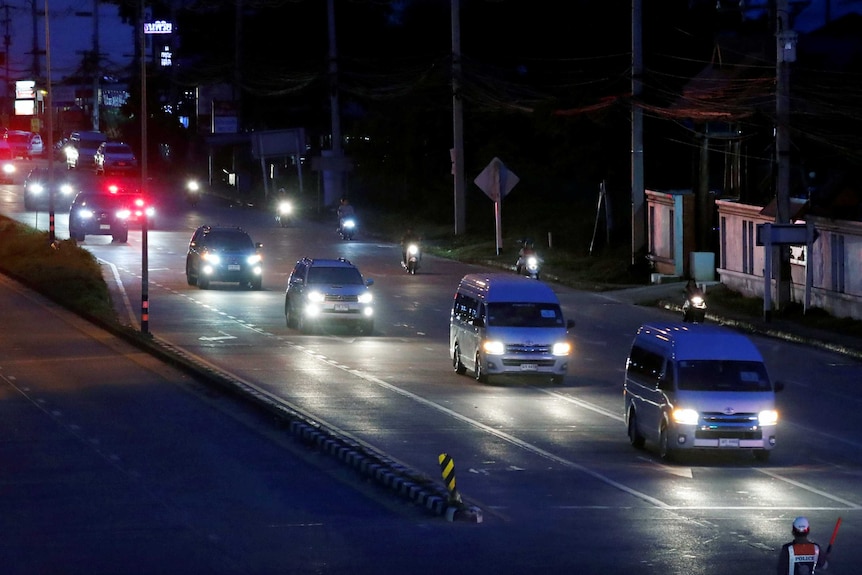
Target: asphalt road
{"x":559,"y":486}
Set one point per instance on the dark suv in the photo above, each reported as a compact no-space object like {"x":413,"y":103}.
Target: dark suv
{"x":224,"y":254}
{"x":100,"y":214}
{"x":320,"y":290}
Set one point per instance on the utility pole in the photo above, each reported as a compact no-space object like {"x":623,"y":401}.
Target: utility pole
{"x":457,"y":121}
{"x":37,"y":64}
{"x":637,"y":168}
{"x":785,"y":55}
{"x":97,"y":68}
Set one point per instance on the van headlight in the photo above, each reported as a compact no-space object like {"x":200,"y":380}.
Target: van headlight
{"x":562,"y":348}
{"x":493,"y":347}
{"x":685,"y":416}
{"x":767,"y":417}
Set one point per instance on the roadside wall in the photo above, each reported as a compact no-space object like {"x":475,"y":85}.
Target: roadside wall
{"x":836,"y":259}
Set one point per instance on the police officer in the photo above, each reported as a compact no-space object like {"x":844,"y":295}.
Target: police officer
{"x":801,"y":556}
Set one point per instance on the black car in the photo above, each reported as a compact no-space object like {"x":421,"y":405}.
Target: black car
{"x":100,"y":214}
{"x":37,"y":191}
{"x":224,"y":254}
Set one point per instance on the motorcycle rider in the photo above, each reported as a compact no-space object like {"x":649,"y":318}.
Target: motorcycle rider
{"x":801,"y":556}
{"x":527,"y":250}
{"x":692,"y":289}
{"x":409,"y":237}
{"x":345,"y":210}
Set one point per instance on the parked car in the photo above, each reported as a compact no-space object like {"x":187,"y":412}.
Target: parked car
{"x":100,"y":214}
{"x":224,"y":254}
{"x":37,"y":191}
{"x":115,"y":157}
{"x":24,"y":144}
{"x":328,"y":290}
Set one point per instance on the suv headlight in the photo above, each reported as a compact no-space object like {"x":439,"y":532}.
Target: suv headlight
{"x":365,"y":298}
{"x":253,"y":259}
{"x":211,"y":258}
{"x":315,"y":296}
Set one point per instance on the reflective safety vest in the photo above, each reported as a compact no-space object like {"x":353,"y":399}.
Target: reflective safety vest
{"x":803,"y":558}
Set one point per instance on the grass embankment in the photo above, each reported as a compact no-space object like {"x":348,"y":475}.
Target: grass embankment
{"x":62,"y":271}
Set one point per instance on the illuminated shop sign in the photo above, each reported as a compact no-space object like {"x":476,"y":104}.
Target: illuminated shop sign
{"x":158,"y":27}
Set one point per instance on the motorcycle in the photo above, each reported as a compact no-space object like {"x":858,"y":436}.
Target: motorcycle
{"x":694,"y":309}
{"x":284,"y":213}
{"x":414,"y":255}
{"x":193,"y":192}
{"x":529,"y":265}
{"x":347,"y":228}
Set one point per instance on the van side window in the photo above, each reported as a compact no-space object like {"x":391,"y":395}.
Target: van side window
{"x":465,"y":308}
{"x":645,"y":365}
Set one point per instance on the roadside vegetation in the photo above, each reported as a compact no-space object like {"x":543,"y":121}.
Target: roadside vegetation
{"x":61,"y":271}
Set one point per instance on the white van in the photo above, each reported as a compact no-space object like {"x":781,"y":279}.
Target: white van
{"x":698,"y":386}
{"x":504,"y":324}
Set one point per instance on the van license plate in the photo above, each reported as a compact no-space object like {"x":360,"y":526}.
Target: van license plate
{"x":727,"y":442}
{"x":529,"y":367}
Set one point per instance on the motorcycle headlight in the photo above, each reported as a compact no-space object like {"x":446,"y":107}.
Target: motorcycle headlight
{"x":532,"y":261}
{"x":697,"y":300}
{"x":349,"y":224}
{"x":412,"y":249}
{"x":285,"y":208}
{"x":192,"y":185}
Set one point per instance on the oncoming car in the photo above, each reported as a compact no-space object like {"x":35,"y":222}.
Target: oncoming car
{"x":224,"y":254}
{"x":37,"y":191}
{"x":328,"y":290}
{"x":100,"y":214}
{"x":115,"y":157}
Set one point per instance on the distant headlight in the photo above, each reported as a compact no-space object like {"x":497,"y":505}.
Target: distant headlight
{"x":214,"y":259}
{"x":768,"y":417}
{"x":365,"y":297}
{"x":253,"y":259}
{"x":66,"y":190}
{"x":493,"y":347}
{"x":85,"y":214}
{"x":8,"y":168}
{"x":562,"y":348}
{"x":685,"y":416}
{"x":36,"y":189}
{"x":151,"y":211}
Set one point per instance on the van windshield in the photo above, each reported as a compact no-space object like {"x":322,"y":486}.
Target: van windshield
{"x":509,"y":314}
{"x":722,"y":375}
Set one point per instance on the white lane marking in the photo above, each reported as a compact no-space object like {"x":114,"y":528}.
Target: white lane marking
{"x":122,"y":289}
{"x":221,"y":337}
{"x":835,"y":498}
{"x":496,"y":432}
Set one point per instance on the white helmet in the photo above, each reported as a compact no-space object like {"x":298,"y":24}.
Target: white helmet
{"x":800,"y":526}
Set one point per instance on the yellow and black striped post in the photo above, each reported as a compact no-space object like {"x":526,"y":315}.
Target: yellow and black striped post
{"x":447,"y":468}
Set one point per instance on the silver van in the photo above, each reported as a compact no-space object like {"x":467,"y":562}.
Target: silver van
{"x":503,"y":324}
{"x":698,"y":386}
